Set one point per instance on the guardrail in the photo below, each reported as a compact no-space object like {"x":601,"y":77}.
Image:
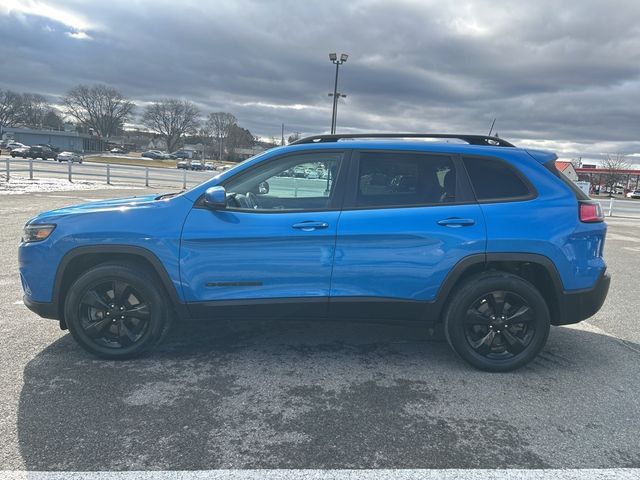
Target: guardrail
{"x":109,"y":173}
{"x":617,"y":207}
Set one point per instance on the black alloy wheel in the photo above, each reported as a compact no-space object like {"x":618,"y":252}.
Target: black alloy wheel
{"x":117,"y":310}
{"x":500,"y":324}
{"x":496,"y":321}
{"x":114,"y":314}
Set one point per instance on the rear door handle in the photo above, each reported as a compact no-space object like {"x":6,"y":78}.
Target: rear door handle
{"x":310,"y":226}
{"x":457,"y":222}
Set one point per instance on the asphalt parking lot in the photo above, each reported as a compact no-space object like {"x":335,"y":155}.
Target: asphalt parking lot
{"x":315,"y":395}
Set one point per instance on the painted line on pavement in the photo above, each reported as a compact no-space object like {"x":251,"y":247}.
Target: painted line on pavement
{"x":293,"y":474}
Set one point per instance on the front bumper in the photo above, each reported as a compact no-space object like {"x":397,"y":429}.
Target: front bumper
{"x":44,"y":309}
{"x":578,"y":306}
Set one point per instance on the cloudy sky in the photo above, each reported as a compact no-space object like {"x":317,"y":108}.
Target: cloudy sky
{"x":558,"y":75}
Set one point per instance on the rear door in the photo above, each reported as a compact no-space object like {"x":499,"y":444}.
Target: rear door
{"x":408,"y":218}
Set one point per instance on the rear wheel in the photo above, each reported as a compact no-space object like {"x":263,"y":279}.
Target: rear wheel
{"x":497,"y":321}
{"x":116,"y":311}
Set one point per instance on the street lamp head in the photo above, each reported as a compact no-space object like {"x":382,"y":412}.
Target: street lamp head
{"x":343,"y":57}
{"x":333,"y":57}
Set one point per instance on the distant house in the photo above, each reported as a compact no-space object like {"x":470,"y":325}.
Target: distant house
{"x":156,"y":144}
{"x":568,"y":169}
{"x":244,"y":153}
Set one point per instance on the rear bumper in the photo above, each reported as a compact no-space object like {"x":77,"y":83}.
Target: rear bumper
{"x":578,"y":306}
{"x":44,"y":309}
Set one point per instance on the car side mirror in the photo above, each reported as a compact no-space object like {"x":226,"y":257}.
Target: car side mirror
{"x":263,"y":188}
{"x":215,"y":198}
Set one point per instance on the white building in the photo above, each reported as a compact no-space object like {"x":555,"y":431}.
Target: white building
{"x":568,"y":169}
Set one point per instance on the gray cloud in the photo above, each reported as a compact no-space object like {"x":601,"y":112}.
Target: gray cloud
{"x":564,"y":75}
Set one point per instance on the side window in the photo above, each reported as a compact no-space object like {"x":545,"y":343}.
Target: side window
{"x":495,"y":180}
{"x":294,"y":182}
{"x":404,"y":179}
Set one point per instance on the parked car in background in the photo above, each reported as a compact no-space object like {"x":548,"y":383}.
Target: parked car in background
{"x":117,"y":150}
{"x":196,"y":165}
{"x":183,"y":164}
{"x":209,"y":166}
{"x":312,"y":173}
{"x":19,"y":152}
{"x":12,"y":145}
{"x":299,"y":172}
{"x":69,"y":157}
{"x":48,"y":145}
{"x":634,"y":194}
{"x":183,"y":154}
{"x":153,"y":154}
{"x":41,"y":151}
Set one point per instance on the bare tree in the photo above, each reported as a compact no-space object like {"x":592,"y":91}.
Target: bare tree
{"x":612,"y":167}
{"x":172,"y":119}
{"x":10,"y":105}
{"x":576,"y":162}
{"x":293,"y":137}
{"x":99,"y":107}
{"x":238,"y":137}
{"x":33,"y":109}
{"x":52,"y":119}
{"x":218,"y":125}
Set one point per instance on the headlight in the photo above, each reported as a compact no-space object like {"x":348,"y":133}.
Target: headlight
{"x":37,"y":233}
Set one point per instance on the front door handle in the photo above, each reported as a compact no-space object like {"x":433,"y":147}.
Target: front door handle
{"x":457,"y":222}
{"x":310,"y":226}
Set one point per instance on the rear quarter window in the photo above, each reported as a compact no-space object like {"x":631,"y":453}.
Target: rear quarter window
{"x":580,"y":195}
{"x":496,"y":180}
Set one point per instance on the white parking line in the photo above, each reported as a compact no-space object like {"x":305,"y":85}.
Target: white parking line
{"x":624,"y":238}
{"x":292,"y":474}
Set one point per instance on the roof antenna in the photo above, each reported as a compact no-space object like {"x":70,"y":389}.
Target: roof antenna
{"x":491,"y":129}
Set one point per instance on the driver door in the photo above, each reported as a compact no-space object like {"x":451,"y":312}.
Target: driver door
{"x":273,"y":245}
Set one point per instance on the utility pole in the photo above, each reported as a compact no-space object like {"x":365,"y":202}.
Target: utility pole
{"x":334,"y":58}
{"x":282,"y":138}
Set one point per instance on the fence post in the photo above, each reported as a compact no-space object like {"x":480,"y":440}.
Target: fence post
{"x":70,"y":164}
{"x":31,"y":169}
{"x":8,"y":169}
{"x":611,"y":207}
{"x":146,"y":176}
{"x":184,"y":179}
{"x":108,"y":174}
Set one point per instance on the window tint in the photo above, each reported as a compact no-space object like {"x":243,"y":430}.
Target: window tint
{"x":294,"y":182}
{"x":494,"y":180}
{"x":401,"y":179}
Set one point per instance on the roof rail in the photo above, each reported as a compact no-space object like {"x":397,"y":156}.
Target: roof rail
{"x":470,"y":139}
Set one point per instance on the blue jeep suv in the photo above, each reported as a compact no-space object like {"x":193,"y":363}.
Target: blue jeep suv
{"x":462,"y":232}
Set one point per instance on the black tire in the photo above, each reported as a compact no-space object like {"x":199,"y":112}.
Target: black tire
{"x":496,"y":321}
{"x":117,"y":311}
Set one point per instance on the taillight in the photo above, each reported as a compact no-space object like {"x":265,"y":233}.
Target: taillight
{"x":591,"y":212}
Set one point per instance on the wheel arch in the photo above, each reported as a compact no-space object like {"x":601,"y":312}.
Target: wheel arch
{"x":538,"y":270}
{"x":80,"y":259}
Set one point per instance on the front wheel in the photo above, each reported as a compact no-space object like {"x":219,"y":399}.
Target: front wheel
{"x":117,"y":311}
{"x":497,"y":321}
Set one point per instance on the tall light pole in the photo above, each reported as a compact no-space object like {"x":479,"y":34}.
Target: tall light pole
{"x":334,"y":58}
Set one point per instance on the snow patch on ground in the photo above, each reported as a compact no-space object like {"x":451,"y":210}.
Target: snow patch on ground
{"x":19,"y":186}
